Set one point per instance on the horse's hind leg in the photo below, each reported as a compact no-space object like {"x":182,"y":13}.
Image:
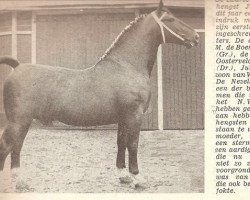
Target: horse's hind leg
{"x":7,"y":142}
{"x":11,"y":142}
{"x":16,"y":150}
{"x":15,"y":156}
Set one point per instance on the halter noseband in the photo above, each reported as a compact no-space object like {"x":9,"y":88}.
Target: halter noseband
{"x":161,"y":24}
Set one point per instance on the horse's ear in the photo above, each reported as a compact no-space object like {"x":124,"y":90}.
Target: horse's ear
{"x":160,"y":7}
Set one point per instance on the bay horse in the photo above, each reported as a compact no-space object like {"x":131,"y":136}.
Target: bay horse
{"x":115,"y":90}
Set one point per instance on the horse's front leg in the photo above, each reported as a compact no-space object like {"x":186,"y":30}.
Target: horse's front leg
{"x":132,"y":126}
{"x":123,"y":174}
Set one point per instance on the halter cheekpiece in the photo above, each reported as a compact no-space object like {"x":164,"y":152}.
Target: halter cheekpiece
{"x":161,"y":24}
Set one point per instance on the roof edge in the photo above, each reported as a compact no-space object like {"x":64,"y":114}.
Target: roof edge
{"x":98,"y":5}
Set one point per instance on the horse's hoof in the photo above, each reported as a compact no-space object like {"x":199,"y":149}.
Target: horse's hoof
{"x":124,"y":176}
{"x":140,"y":183}
{"x":15,"y":176}
{"x":21,"y":186}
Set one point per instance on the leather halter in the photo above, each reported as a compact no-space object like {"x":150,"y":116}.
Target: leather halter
{"x":161,"y":24}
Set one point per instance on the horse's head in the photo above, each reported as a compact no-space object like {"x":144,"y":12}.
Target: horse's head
{"x":174,"y":30}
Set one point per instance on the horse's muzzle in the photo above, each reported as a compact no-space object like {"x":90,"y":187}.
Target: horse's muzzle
{"x":196,"y":39}
{"x":191,"y":43}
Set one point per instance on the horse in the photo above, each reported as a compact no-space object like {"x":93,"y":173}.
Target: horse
{"x":116,"y":90}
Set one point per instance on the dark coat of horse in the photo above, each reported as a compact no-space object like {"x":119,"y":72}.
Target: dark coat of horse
{"x":115,"y":90}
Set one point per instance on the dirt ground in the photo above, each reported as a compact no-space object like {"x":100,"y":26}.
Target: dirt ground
{"x":83,"y":161}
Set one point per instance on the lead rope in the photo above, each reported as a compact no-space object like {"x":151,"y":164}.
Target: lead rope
{"x":161,"y":24}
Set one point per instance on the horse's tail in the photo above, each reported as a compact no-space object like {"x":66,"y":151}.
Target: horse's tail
{"x":9,"y":61}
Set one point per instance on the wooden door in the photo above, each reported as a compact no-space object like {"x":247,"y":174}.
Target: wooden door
{"x":183,"y":86}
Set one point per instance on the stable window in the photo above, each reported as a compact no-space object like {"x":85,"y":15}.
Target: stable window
{"x":24,"y":21}
{"x":5,"y":22}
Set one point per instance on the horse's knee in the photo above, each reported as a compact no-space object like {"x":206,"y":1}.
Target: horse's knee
{"x":7,"y":138}
{"x":121,"y":140}
{"x":133,"y":140}
{"x":10,"y":134}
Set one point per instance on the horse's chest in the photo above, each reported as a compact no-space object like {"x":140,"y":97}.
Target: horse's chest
{"x":134,"y":97}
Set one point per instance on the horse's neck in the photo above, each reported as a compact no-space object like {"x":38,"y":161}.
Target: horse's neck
{"x":138,"y":48}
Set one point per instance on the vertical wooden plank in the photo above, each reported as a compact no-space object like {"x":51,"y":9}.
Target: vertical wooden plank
{"x":5,"y":49}
{"x":185,"y":92}
{"x":7,"y":23}
{"x":202,"y":73}
{"x":160,"y":88}
{"x":189,"y":89}
{"x":14,"y":35}
{"x":24,"y":21}
{"x":177,"y":87}
{"x":197,"y":79}
{"x":194,"y":87}
{"x":33,"y":38}
{"x":167,"y":84}
{"x":174,"y":93}
{"x":180,"y":92}
{"x":171,"y":88}
{"x":24,"y":48}
{"x":200,"y":79}
{"x":192,"y":63}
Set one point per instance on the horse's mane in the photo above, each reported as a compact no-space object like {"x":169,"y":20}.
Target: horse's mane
{"x":121,"y":34}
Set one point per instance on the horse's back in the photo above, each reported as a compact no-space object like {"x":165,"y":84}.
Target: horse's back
{"x":78,"y":97}
{"x":29,"y":88}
